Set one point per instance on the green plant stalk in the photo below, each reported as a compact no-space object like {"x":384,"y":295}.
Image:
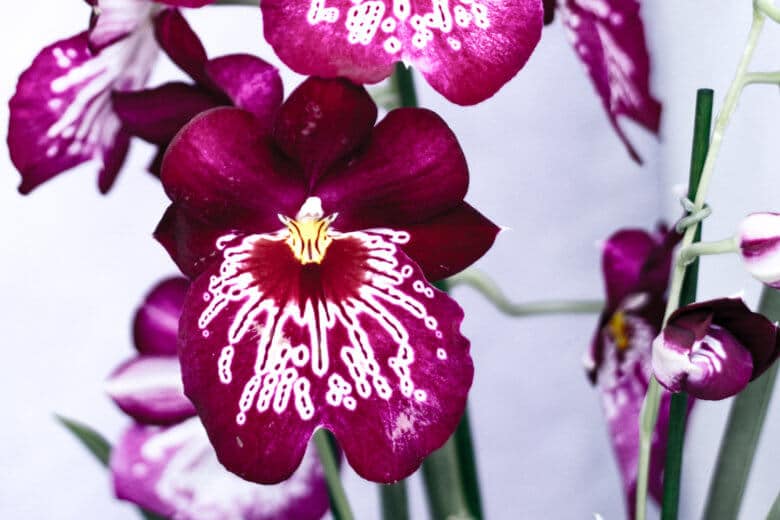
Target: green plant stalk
{"x":444,"y":485}
{"x":339,"y":504}
{"x":738,"y":446}
{"x":403,"y":80}
{"x":678,"y":409}
{"x":649,"y":414}
{"x":394,"y":502}
{"x":774,"y":513}
{"x":253,"y":3}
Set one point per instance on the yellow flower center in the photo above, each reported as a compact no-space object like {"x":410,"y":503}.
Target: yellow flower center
{"x":618,"y":328}
{"x":309,"y":237}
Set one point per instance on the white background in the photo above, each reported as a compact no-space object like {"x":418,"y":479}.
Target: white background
{"x":544,"y":162}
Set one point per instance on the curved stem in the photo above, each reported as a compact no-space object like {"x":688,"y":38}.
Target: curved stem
{"x":697,"y":249}
{"x":490,"y":290}
{"x":771,"y":78}
{"x":338,"y":498}
{"x":652,"y":400}
{"x":768,"y":8}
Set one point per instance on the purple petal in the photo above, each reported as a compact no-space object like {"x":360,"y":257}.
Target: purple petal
{"x":157,"y":114}
{"x":448,"y":243}
{"x":61,"y":114}
{"x":156,"y":324}
{"x":113,"y":20}
{"x":354,"y":341}
{"x":759,"y":245}
{"x":180,"y":43}
{"x":250,"y":83}
{"x":173,"y":472}
{"x":187,"y":3}
{"x":413,"y":169}
{"x":149,"y":389}
{"x":466,"y":52}
{"x":622,"y":377}
{"x":190,"y":242}
{"x":322,"y":121}
{"x":610,"y":40}
{"x":222,"y":170}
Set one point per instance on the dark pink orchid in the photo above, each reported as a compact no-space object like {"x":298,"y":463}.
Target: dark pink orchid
{"x":636,"y":267}
{"x":759,"y":246}
{"x":609,"y":39}
{"x":240,"y":80}
{"x":164,"y":462}
{"x":713,"y":349}
{"x":466,"y":49}
{"x":61,"y":114}
{"x":310,"y":239}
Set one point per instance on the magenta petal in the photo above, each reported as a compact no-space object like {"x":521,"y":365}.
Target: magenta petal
{"x":413,"y":169}
{"x":156,"y":323}
{"x":112,"y":20}
{"x":610,"y":40}
{"x":180,"y":43}
{"x":466,"y":51}
{"x":759,"y":245}
{"x":322,"y":121}
{"x":250,"y":83}
{"x":173,"y":472}
{"x":448,"y":243}
{"x":157,"y":114}
{"x":149,"y":389}
{"x":221,"y":169}
{"x":190,"y":242}
{"x":61,"y":113}
{"x":360,"y":344}
{"x":187,"y":3}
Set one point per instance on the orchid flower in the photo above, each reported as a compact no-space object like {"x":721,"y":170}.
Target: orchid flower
{"x":759,"y":245}
{"x":164,"y":462}
{"x":239,"y":79}
{"x":713,"y":349}
{"x":609,"y":38}
{"x":465,"y":49}
{"x":636,"y":266}
{"x":311,"y":238}
{"x":61,"y":114}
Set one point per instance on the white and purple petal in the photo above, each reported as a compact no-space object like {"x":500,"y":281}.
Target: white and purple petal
{"x":113,"y":20}
{"x":759,"y":246}
{"x":61,"y":114}
{"x":609,"y":38}
{"x":358,"y":343}
{"x":156,"y":323}
{"x":149,"y":389}
{"x":466,"y":49}
{"x":172,"y":471}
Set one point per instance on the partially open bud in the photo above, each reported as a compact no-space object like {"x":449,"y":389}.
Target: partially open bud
{"x":759,"y":245}
{"x":713,"y":349}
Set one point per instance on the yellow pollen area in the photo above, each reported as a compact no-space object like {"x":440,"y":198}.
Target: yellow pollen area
{"x":309,"y":238}
{"x":618,"y":328}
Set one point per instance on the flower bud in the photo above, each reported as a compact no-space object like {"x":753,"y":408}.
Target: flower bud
{"x":759,"y":246}
{"x":713,"y":349}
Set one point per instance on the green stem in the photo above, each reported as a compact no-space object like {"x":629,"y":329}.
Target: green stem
{"x":697,"y":249}
{"x":679,"y":403}
{"x":338,"y":498}
{"x":772,"y":78}
{"x":738,"y":446}
{"x":490,"y":290}
{"x":774,"y":513}
{"x":464,"y":445}
{"x":442,"y":477}
{"x":768,"y":8}
{"x":253,"y":3}
{"x":404,"y":84}
{"x":678,"y":409}
{"x":395,"y":504}
{"x":652,"y":399}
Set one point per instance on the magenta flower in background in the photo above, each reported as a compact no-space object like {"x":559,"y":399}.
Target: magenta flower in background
{"x":61,"y":114}
{"x":164,"y":462}
{"x":759,"y":246}
{"x":713,"y":349}
{"x":465,"y":49}
{"x":636,"y":266}
{"x":241,"y":80}
{"x":609,"y":38}
{"x":310,"y":239}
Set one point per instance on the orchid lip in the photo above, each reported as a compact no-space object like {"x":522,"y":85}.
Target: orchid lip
{"x":309,"y":232}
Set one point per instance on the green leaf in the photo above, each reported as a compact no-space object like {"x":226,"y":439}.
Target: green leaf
{"x":92,"y":440}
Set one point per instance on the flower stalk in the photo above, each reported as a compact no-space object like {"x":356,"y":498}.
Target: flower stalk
{"x":697,"y":249}
{"x":253,"y":3}
{"x":652,"y":399}
{"x":490,"y":290}
{"x":738,"y":446}
{"x":394,"y":502}
{"x":338,"y":498}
